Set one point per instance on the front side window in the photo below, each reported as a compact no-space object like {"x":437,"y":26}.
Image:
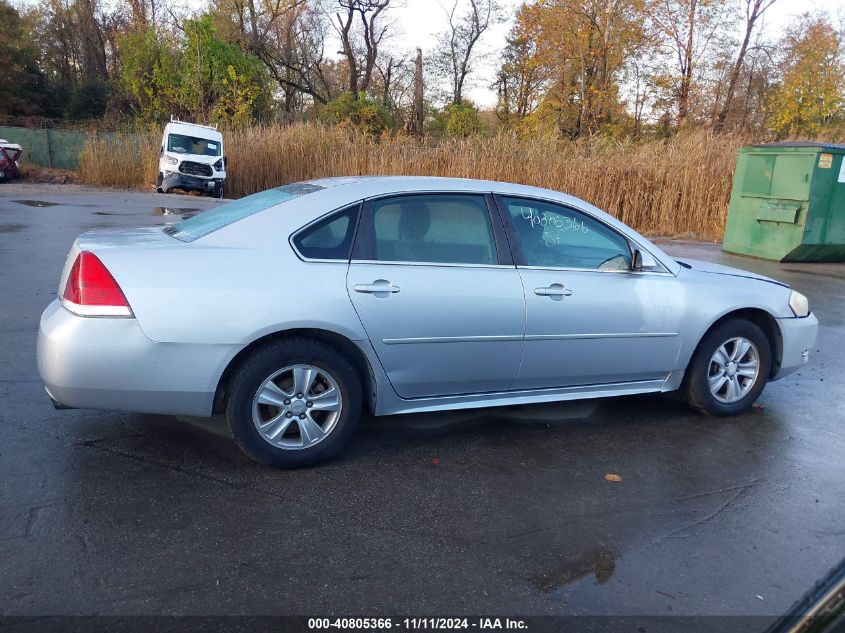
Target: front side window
{"x":434,"y":228}
{"x":555,"y":236}
{"x":183,"y":144}
{"x":330,"y":238}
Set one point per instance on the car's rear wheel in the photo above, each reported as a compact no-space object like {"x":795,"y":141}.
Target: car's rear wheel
{"x":293,"y":403}
{"x":730,"y":368}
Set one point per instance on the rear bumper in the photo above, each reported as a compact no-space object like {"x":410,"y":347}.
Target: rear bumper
{"x":108,"y":363}
{"x":799,"y":339}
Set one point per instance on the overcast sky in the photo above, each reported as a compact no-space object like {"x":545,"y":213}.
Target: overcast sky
{"x":419,"y":20}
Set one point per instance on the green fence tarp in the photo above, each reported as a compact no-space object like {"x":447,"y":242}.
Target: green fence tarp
{"x":57,"y":149}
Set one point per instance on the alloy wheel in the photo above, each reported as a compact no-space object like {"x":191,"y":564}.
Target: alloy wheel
{"x":297,"y":407}
{"x":734,"y":370}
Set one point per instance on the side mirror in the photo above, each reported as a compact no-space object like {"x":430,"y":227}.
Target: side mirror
{"x":161,"y":151}
{"x":642,"y":260}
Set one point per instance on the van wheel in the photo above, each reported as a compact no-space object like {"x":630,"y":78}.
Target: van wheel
{"x":730,"y":368}
{"x":293,"y":403}
{"x":159,"y":181}
{"x":218,"y":190}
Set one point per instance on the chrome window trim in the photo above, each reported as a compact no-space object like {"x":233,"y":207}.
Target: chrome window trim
{"x":429,"y":264}
{"x":596,"y":270}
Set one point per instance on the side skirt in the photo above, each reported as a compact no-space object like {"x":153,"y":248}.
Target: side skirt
{"x":394,"y":405}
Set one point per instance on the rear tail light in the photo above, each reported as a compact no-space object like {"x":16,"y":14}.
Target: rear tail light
{"x":92,"y":291}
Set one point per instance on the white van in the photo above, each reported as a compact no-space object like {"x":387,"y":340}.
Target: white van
{"x":191,"y":158}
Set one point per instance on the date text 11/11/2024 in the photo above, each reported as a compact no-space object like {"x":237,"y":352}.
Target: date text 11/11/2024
{"x":417,"y":624}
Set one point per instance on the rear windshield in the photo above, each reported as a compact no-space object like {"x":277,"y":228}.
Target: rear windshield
{"x":209,"y":221}
{"x":182,"y":144}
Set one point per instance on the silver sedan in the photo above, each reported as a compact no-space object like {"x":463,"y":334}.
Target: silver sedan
{"x":293,"y":309}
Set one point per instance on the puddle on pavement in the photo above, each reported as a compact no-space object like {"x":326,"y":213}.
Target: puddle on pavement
{"x":11,"y":228}
{"x":179,"y":212}
{"x":600,"y":562}
{"x":36,"y":203}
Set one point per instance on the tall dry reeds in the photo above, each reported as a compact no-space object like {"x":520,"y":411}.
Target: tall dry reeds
{"x":675,"y":187}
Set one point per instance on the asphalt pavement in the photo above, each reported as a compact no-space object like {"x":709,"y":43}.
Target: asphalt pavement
{"x":505,"y":511}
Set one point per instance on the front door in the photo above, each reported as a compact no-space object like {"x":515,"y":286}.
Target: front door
{"x":441,"y":304}
{"x":590,"y":319}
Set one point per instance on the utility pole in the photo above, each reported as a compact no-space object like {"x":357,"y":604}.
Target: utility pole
{"x":418,"y":94}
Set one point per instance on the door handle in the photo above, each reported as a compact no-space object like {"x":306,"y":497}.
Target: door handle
{"x":555,"y":291}
{"x":379,"y":286}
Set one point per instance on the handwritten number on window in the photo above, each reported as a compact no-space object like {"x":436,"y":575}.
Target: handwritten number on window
{"x":547,"y":220}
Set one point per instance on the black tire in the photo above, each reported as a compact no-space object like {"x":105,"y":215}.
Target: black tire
{"x":263,"y":363}
{"x":696,"y":381}
{"x":159,"y":181}
{"x":218,"y":191}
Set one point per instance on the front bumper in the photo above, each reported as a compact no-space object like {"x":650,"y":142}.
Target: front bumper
{"x":177,"y":180}
{"x":108,"y":363}
{"x":799,"y":338}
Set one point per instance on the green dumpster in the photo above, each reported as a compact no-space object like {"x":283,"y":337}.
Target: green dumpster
{"x":788,"y":203}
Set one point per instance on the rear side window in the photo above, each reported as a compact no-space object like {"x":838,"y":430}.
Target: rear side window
{"x":330,"y":238}
{"x":434,"y":228}
{"x":214,"y":219}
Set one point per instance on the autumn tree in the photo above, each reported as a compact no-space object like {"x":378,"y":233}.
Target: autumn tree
{"x":809,"y":95}
{"x":523,"y":76}
{"x":150,"y":74}
{"x":583,"y":47}
{"x":197,"y":76}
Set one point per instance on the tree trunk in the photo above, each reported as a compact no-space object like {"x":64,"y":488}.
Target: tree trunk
{"x":751,"y":19}
{"x":418,"y":94}
{"x":686,"y":75}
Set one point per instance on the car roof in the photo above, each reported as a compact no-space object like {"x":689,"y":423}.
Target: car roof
{"x":380,"y":185}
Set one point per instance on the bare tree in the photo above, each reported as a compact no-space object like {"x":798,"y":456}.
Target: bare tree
{"x":455,"y":53}
{"x":689,"y":26}
{"x":289,"y":36}
{"x":360,"y":45}
{"x":754,"y":10}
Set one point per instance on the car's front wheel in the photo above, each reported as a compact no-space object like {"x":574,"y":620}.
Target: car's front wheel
{"x":730,"y":368}
{"x":293,"y":403}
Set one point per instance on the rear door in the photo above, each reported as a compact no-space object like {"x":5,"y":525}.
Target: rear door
{"x":437,"y":292}
{"x":590,"y":318}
